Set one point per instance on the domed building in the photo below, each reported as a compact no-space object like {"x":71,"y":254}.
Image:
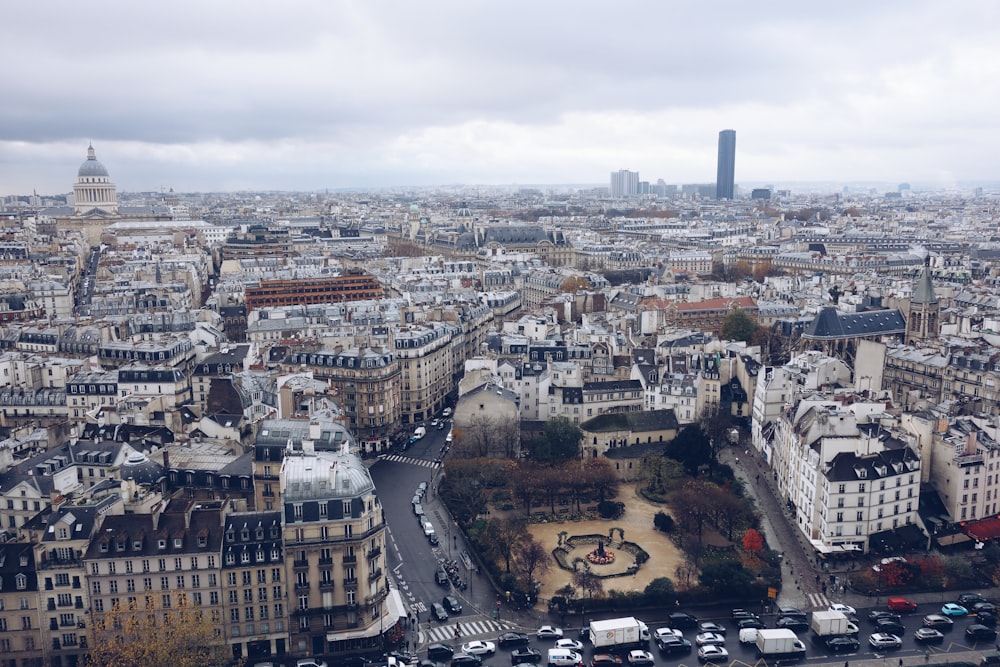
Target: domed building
{"x":94,"y":193}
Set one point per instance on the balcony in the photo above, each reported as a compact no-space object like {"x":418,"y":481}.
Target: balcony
{"x":351,"y":582}
{"x":302,"y":585}
{"x":326,"y":561}
{"x":375,"y":575}
{"x":326,"y":585}
{"x":375,"y":553}
{"x":300,"y":563}
{"x":969,"y":459}
{"x":350,"y":559}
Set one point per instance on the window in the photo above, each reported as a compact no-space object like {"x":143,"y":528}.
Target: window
{"x":303,"y":603}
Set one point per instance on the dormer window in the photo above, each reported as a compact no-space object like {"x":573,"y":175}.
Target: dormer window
{"x":275,"y":554}
{"x":202,"y":541}
{"x":136,"y":545}
{"x":103,"y":546}
{"x":24,"y":561}
{"x":21,"y":581}
{"x":230,"y":535}
{"x":63,"y":533}
{"x":161,"y":543}
{"x":274,"y":532}
{"x":120,"y":545}
{"x":244,"y":535}
{"x":230,"y":559}
{"x":178,"y":542}
{"x":260,"y":556}
{"x":260,"y":533}
{"x":245,"y":557}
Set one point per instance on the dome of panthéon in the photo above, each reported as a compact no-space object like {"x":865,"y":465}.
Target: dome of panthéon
{"x":91,"y":167}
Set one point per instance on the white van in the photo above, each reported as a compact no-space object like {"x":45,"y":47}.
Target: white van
{"x":419,"y":432}
{"x":427,"y":526}
{"x":564,"y":657}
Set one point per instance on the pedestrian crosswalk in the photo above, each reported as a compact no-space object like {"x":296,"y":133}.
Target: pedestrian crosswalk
{"x":818,"y":600}
{"x":397,"y":458}
{"x":467,"y":630}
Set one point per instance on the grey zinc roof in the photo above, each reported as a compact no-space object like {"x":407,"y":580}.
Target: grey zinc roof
{"x":320,"y":475}
{"x":831,"y":324}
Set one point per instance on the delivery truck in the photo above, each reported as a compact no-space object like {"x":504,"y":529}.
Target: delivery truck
{"x":827,"y":624}
{"x":617,"y":633}
{"x":780,"y":642}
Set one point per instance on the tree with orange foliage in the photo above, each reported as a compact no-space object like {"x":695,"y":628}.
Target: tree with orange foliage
{"x":753,"y":543}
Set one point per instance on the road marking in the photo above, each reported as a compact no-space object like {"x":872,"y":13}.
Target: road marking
{"x":397,"y":458}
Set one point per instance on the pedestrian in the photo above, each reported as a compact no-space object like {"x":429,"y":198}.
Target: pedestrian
{"x":900,"y":662}
{"x":847,"y":663}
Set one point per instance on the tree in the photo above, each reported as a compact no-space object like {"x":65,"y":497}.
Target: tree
{"x":663,"y":522}
{"x":753,"y":543}
{"x":835,"y":294}
{"x":738,"y":326}
{"x":660,"y":592}
{"x":559,"y":441}
{"x":501,"y":537}
{"x":531,"y":557}
{"x":574,"y":284}
{"x":691,"y":448}
{"x":694,"y":505}
{"x":729,"y":579}
{"x":144,"y":633}
{"x":599,"y":477}
{"x":588,"y":582}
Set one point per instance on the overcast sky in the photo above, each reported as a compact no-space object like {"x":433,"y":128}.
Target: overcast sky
{"x":218,"y":95}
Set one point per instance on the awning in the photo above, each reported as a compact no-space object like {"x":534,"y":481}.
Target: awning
{"x":392,"y":612}
{"x":984,"y":529}
{"x":949,"y":540}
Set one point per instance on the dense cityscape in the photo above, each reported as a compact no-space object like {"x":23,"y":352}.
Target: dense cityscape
{"x":220,"y":401}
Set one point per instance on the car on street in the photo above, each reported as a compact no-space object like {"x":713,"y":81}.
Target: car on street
{"x":754,"y":623}
{"x":605,"y":660}
{"x":638,"y":657}
{"x":847,"y":610}
{"x":843,"y":644}
{"x":433,"y":539}
{"x":525,"y":655}
{"x":672,"y":644}
{"x":661,"y":633}
{"x":513,"y":639}
{"x":978,"y":632}
{"x":711,"y":626}
{"x":713,"y":653}
{"x":417,"y":499}
{"x":885,"y":626}
{"x":983,"y":606}
{"x":440,"y":652}
{"x":901,"y":604}
{"x":928,"y":636}
{"x":403,"y":658}
{"x":465,"y":660}
{"x":875,"y":614}
{"x":422,"y":486}
{"x":784,"y":612}
{"x":938,"y":622}
{"x":952,"y":609}
{"x":682,"y":619}
{"x":479,"y":647}
{"x":441,"y":577}
{"x":438,"y":612}
{"x":738,"y":615}
{"x":452,"y":604}
{"x":571,"y":644}
{"x":885,"y":641}
{"x":793,"y":623}
{"x":970,"y":599}
{"x":549,"y":632}
{"x":418,"y":509}
{"x":986,"y":618}
{"x":310,"y":662}
{"x":706,"y":638}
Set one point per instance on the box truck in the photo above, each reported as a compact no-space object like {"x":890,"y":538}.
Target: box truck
{"x":779,"y":642}
{"x":618,"y":633}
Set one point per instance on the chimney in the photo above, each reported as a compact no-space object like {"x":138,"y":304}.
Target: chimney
{"x":166,"y":460}
{"x":971,"y":443}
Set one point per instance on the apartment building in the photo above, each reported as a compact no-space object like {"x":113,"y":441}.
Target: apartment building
{"x":20,"y":629}
{"x":352,"y":286}
{"x":424,"y":352}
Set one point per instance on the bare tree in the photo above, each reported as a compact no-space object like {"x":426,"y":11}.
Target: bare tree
{"x":531,"y":557}
{"x":501,"y":537}
{"x":588,"y":582}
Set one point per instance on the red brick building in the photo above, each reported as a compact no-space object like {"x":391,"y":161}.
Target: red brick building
{"x":353,"y":286}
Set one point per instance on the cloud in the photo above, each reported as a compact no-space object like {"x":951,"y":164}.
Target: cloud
{"x":304,"y":94}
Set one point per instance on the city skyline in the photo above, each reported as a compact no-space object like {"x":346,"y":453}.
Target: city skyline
{"x":343,"y":95}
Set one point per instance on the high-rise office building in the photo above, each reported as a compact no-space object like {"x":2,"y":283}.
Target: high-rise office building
{"x":726,"y":176}
{"x":624,"y":183}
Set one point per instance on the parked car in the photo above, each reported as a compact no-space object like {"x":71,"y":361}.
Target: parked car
{"x":986,"y":618}
{"x":418,"y":509}
{"x":711,"y":626}
{"x":441,"y":577}
{"x":549,"y":632}
{"x":706,"y":638}
{"x":682,"y":619}
{"x":938,"y":622}
{"x":713,"y":653}
{"x":452,"y":604}
{"x":901,"y":604}
{"x":784,"y":612}
{"x":983,"y":606}
{"x":882,"y":640}
{"x":310,"y":662}
{"x":843,"y":644}
{"x":738,"y":615}
{"x":876,"y":614}
{"x":465,"y":660}
{"x":438,"y":612}
{"x":526,"y":654}
{"x":978,"y":632}
{"x":513,"y":639}
{"x":440,"y":652}
{"x":672,"y":644}
{"x":952,"y":609}
{"x":640,"y":658}
{"x":571,"y":644}
{"x":793,"y":623}
{"x":969,"y":599}
{"x":928,"y":636}
{"x":605,"y":660}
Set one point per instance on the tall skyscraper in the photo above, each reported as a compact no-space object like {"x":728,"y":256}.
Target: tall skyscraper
{"x":726,"y":177}
{"x":624,"y":183}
